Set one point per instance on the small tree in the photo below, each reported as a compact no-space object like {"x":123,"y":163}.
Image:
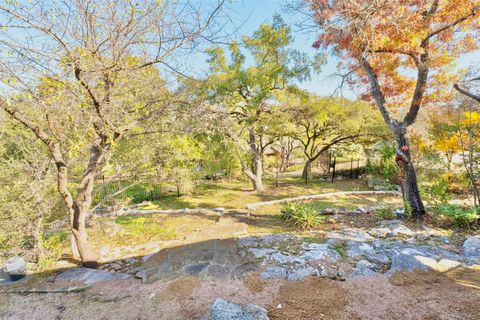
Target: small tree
{"x":322,"y":123}
{"x":246,"y":94}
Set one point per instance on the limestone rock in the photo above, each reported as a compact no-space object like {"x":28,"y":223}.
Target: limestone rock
{"x":274,"y":272}
{"x":363,"y":269}
{"x":471,"y":249}
{"x":356,"y":248}
{"x":284,"y":259}
{"x":378,"y":258}
{"x":223,"y":310}
{"x":406,"y":260}
{"x":261,"y":252}
{"x":379,"y":232}
{"x":319,"y":251}
{"x":302,"y":273}
{"x":329,"y":211}
{"x":89,"y":276}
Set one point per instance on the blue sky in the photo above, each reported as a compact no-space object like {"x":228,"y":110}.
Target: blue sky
{"x":247,"y":15}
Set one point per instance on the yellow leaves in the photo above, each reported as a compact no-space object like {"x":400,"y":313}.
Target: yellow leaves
{"x":447,"y":144}
{"x":470,"y":119}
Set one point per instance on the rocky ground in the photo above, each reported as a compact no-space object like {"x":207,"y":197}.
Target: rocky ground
{"x":381,"y":270}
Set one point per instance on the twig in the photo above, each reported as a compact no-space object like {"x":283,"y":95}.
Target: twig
{"x":35,"y":290}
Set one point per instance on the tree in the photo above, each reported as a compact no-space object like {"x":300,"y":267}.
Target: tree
{"x":247,"y":94}
{"x":443,"y":132}
{"x":469,"y":139}
{"x":322,"y":123}
{"x":286,"y":145}
{"x":383,"y":43}
{"x":78,"y":73}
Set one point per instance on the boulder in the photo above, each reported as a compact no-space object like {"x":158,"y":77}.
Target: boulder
{"x":363,"y":268}
{"x":223,"y":310}
{"x":15,"y":268}
{"x":407,"y":260}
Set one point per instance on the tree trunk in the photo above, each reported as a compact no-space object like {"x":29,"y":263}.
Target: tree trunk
{"x":410,"y":185}
{"x":256,"y":175}
{"x":78,"y":209}
{"x":307,"y":170}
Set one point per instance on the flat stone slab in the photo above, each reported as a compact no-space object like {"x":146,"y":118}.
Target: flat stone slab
{"x":5,"y":279}
{"x":89,"y":276}
{"x":471,"y":249}
{"x":350,"y":234}
{"x":261,"y":252}
{"x":274,"y":273}
{"x":215,"y":259}
{"x":302,"y":273}
{"x":319,"y":251}
{"x":357,"y":248}
{"x":286,"y":259}
{"x":378,"y":258}
{"x":224,"y":310}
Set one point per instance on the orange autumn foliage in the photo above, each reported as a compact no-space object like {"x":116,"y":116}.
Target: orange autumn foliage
{"x":392,"y":35}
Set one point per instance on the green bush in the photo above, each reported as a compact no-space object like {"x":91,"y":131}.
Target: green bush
{"x":458,"y":216}
{"x":437,"y":192}
{"x":386,"y":167}
{"x":52,"y":246}
{"x":302,"y":215}
{"x":386,"y":213}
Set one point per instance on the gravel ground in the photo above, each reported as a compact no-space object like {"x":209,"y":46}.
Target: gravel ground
{"x":419,"y":295}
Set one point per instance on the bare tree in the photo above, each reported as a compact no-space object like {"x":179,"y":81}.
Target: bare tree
{"x":468,"y":135}
{"x":87,"y":68}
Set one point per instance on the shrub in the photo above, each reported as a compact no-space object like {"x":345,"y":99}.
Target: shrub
{"x":289,"y":209}
{"x":52,"y":246}
{"x":301,"y":215}
{"x":438,"y":192}
{"x":386,"y":213}
{"x":458,"y":216}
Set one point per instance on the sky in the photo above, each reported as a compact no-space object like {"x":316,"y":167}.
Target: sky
{"x":247,"y":15}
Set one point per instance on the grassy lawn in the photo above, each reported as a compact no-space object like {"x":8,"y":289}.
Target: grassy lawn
{"x":348,"y":202}
{"x":237,"y":194}
{"x":234,"y":195}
